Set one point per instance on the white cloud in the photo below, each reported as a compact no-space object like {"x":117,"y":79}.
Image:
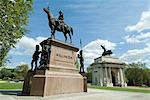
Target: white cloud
{"x":131,"y":39}
{"x":26,"y":45}
{"x":121,"y":43}
{"x":80,"y":6}
{"x":21,"y":63}
{"x":137,"y":55}
{"x":143,"y":24}
{"x":93,"y":50}
{"x":141,"y":38}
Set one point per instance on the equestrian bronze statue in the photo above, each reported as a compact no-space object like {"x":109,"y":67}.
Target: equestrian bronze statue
{"x":58,"y":24}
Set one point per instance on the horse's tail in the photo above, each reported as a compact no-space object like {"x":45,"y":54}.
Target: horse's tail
{"x":71,"y":30}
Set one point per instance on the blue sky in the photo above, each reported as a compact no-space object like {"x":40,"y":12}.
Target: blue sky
{"x":120,"y":25}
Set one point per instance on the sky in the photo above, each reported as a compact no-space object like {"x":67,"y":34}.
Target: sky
{"x":122,"y":26}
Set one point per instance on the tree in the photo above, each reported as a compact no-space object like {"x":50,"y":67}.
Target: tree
{"x":89,"y":74}
{"x":22,"y":71}
{"x":16,"y":73}
{"x":5,"y":73}
{"x":137,"y":74}
{"x":13,"y":21}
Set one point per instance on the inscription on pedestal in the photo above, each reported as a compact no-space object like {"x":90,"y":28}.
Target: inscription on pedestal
{"x":62,"y":57}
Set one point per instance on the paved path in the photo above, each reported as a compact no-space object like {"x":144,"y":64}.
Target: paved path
{"x":93,"y":94}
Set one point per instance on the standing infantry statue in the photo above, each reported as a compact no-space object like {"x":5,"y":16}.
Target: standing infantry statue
{"x":80,"y":56}
{"x":35,"y":57}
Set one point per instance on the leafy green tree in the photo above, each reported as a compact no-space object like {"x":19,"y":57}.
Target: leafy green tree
{"x":13,"y":21}
{"x":89,"y":74}
{"x":5,"y":73}
{"x":16,"y":73}
{"x":22,"y":71}
{"x":137,"y":74}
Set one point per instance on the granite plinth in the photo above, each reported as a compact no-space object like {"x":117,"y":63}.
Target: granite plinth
{"x":59,"y":75}
{"x":27,"y":83}
{"x":85,"y":80}
{"x":52,"y":83}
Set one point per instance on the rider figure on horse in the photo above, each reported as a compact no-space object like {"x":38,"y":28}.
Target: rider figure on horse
{"x":61,"y":16}
{"x":61,"y":23}
{"x":58,"y":24}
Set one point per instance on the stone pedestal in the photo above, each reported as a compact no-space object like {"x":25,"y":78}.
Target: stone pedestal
{"x":51,"y":83}
{"x":85,"y":80}
{"x":57,"y":73}
{"x":27,"y":83}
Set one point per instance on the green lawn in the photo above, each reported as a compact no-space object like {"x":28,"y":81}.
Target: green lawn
{"x":2,"y":81}
{"x":120,"y":89}
{"x":8,"y":85}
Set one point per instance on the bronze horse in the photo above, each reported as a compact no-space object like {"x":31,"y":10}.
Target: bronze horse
{"x":54,"y":26}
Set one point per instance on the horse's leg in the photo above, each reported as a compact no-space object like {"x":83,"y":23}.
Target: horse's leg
{"x":70,"y":37}
{"x":65,"y":37}
{"x":53,"y":32}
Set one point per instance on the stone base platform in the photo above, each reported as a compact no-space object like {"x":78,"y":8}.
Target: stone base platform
{"x":46,"y":83}
{"x":85,"y":80}
{"x":27,"y":83}
{"x":57,"y":73}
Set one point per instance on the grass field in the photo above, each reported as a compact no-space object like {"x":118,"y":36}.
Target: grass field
{"x":1,"y":81}
{"x":7,"y":85}
{"x":141,"y":90}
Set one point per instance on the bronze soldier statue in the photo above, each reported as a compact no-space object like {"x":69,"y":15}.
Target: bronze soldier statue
{"x":35,"y":57}
{"x":80,"y":56}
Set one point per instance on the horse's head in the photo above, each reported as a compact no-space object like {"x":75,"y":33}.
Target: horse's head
{"x":50,"y":15}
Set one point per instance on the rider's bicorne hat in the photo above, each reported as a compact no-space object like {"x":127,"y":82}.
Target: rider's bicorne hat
{"x":60,"y":12}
